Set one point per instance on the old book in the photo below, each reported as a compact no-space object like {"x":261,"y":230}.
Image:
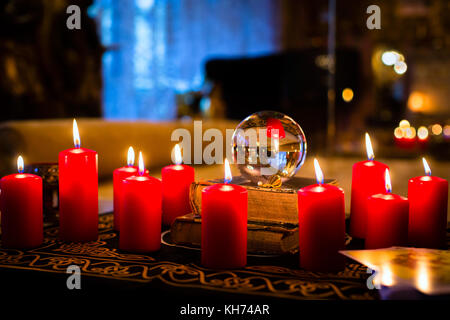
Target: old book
{"x":265,"y":205}
{"x":261,"y":238}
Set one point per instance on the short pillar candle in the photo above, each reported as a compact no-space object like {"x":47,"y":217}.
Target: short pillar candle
{"x":224,"y":225}
{"x":321,"y":216}
{"x":387,"y":219}
{"x":428,"y":199}
{"x":176,"y":182}
{"x":367,"y":179}
{"x":21,"y":205}
{"x":140,"y":224}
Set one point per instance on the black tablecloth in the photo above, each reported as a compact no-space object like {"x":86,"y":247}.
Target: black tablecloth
{"x":174,"y":270}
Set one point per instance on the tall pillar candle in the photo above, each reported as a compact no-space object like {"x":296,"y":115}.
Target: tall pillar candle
{"x":224,"y":225}
{"x":119,"y":175}
{"x":321,"y":216}
{"x":367,"y":180}
{"x":387,"y":219}
{"x":176,"y":182}
{"x":428,"y":199}
{"x":140,"y":224}
{"x":21,"y":206}
{"x":78,"y":193}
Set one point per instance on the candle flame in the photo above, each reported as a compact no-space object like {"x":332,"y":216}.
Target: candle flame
{"x":386,"y":275}
{"x":130,"y":157}
{"x":387,"y":179}
{"x":177,"y":152}
{"x":319,"y":173}
{"x":141,"y":164}
{"x":76,"y":134}
{"x":228,"y":176}
{"x":423,"y":277}
{"x":427,"y":167}
{"x":20,"y":164}
{"x":369,"y":148}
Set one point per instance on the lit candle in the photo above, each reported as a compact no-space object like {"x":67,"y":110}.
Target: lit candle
{"x":176,"y":182}
{"x":21,"y":207}
{"x":140,"y":220}
{"x":428,"y":198}
{"x":224,"y":224}
{"x":367,"y":179}
{"x":321,"y":216}
{"x":387,"y":219}
{"x":78,"y":192}
{"x":118,"y":175}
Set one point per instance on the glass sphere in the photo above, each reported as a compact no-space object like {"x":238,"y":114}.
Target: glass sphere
{"x":268,"y":148}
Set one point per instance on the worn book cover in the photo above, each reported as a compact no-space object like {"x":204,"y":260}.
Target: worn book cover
{"x":265,"y":205}
{"x":261,"y":238}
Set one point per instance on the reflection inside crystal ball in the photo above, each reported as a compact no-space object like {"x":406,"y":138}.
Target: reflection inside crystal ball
{"x":268,"y":148}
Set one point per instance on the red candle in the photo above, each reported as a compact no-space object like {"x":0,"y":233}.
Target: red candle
{"x":387,"y":219}
{"x":119,"y":175}
{"x":140,"y":220}
{"x":21,"y":207}
{"x":428,"y":198}
{"x":176,"y":182}
{"x":321,"y":217}
{"x":224,"y":225}
{"x":367,"y":180}
{"x":78,"y":192}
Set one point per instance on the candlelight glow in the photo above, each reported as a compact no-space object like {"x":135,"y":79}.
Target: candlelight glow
{"x":228,"y":176}
{"x":423,"y":277}
{"x":400,"y":67}
{"x":20,"y":164}
{"x":436,"y":129}
{"x":130,"y":158}
{"x":386,"y":275}
{"x":404,"y":124}
{"x":422,"y":133}
{"x":369,"y":148}
{"x":319,"y":173}
{"x":141,"y":164}
{"x":76,"y":134}
{"x":426,"y":167}
{"x":177,"y":151}
{"x":398,"y":133}
{"x":347,"y":94}
{"x":387,"y":179}
{"x":410,"y":133}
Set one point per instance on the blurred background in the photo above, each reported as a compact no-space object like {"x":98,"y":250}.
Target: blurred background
{"x":160,"y":61}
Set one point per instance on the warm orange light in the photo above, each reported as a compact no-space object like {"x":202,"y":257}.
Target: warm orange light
{"x":422,"y":133}
{"x":228,"y":176}
{"x":20,"y":165}
{"x":347,"y":94}
{"x":410,"y":133}
{"x":141,"y":164}
{"x":369,"y":149}
{"x":387,"y":179}
{"x":398,"y":133}
{"x":130,"y":157}
{"x":76,"y":134}
{"x":386,"y":275}
{"x":416,"y":101}
{"x":423,"y":277}
{"x":177,"y":152}
{"x":436,"y":129}
{"x":446,"y":130}
{"x":426,"y":167}
{"x":404,"y":124}
{"x":319,"y":173}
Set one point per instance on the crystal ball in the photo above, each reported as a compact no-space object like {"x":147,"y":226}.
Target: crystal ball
{"x":268,"y":148}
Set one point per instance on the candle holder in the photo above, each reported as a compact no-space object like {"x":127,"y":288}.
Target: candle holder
{"x":49,"y":173}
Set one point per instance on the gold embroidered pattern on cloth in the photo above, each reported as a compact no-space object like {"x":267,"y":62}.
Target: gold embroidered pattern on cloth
{"x":102,"y":259}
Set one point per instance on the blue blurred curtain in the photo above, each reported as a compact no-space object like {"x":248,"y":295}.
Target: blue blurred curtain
{"x":158,"y":47}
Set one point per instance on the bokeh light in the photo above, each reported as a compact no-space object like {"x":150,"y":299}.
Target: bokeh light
{"x":416,"y":101}
{"x":404,"y":124}
{"x":422,"y":133}
{"x":400,"y":67}
{"x":347,"y":94}
{"x":436,"y":129}
{"x":389,"y":58}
